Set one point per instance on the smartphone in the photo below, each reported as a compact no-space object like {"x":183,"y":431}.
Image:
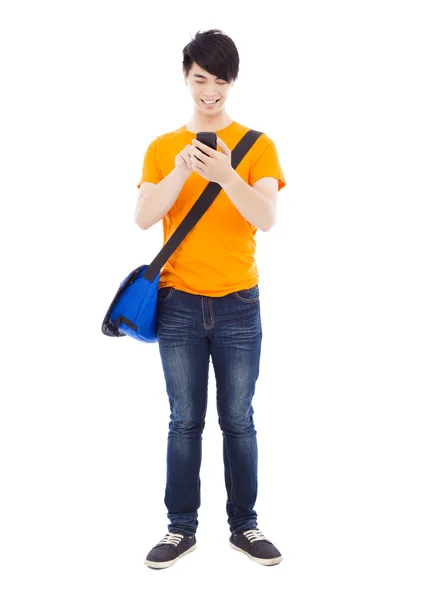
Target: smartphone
{"x":208,"y":138}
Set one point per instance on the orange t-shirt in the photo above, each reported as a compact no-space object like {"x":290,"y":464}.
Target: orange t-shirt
{"x":217,"y":257}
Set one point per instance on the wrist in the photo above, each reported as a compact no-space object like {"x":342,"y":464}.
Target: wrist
{"x":230,"y":179}
{"x":180,"y":173}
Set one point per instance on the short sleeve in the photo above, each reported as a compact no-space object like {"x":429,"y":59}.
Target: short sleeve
{"x":150,"y":169}
{"x":267,"y":165}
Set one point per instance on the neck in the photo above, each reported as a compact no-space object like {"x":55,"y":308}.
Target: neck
{"x":203,"y":122}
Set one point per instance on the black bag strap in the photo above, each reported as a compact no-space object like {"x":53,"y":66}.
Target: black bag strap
{"x":206,"y":198}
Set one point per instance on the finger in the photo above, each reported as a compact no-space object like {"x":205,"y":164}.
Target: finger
{"x":197,"y":166}
{"x":199,"y":155}
{"x":187,"y":150}
{"x":202,"y":146}
{"x":222,"y":145}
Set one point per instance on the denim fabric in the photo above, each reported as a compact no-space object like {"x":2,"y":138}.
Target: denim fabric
{"x":191,"y":329}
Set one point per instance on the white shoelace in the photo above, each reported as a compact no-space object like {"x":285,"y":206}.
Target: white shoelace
{"x":172,"y":538}
{"x":254,"y":535}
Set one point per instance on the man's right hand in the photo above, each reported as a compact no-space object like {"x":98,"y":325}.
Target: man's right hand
{"x":183,"y":160}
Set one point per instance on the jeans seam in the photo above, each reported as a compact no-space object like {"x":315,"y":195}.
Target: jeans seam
{"x":211,"y":312}
{"x":231,"y":475}
{"x":205,"y":325}
{"x":166,"y":298}
{"x":246,"y":300}
{"x":181,"y":529}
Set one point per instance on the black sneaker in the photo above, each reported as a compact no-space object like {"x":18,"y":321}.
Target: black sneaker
{"x":254,"y":543}
{"x":170,"y":548}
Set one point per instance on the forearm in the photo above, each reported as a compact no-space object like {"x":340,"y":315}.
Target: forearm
{"x":254,"y":206}
{"x":155,"y":204}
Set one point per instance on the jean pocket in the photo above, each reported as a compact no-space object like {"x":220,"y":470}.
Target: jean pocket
{"x":250,"y":295}
{"x":165,"y":293}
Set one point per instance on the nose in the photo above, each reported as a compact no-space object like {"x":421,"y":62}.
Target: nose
{"x":211,"y":92}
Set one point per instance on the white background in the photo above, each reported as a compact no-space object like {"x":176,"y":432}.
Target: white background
{"x":346,"y":403}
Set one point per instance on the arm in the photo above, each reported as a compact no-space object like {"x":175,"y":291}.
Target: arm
{"x":256,"y":204}
{"x":156,"y":200}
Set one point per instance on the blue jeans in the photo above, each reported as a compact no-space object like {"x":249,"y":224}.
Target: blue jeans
{"x":190,"y":329}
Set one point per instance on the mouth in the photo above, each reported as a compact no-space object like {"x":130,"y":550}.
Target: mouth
{"x":210,"y":103}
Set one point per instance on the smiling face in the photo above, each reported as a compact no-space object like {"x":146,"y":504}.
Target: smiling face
{"x":205,"y":87}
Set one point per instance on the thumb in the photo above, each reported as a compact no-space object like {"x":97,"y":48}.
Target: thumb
{"x":223,"y":146}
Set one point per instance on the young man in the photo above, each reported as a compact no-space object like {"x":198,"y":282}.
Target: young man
{"x":208,"y":302}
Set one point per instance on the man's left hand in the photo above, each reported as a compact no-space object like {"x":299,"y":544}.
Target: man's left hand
{"x":217,"y":166}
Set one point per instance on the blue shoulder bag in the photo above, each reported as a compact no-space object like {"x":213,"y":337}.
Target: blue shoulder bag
{"x":133,"y":311}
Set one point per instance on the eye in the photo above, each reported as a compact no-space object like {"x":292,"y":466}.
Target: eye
{"x":220,"y":82}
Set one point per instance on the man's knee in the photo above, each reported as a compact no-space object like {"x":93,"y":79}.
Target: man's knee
{"x":187,"y":427}
{"x":237,"y":424}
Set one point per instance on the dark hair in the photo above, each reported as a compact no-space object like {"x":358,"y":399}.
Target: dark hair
{"x":213,"y":51}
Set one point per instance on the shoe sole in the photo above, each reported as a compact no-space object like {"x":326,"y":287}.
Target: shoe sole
{"x":262,"y":561}
{"x":168,"y":563}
